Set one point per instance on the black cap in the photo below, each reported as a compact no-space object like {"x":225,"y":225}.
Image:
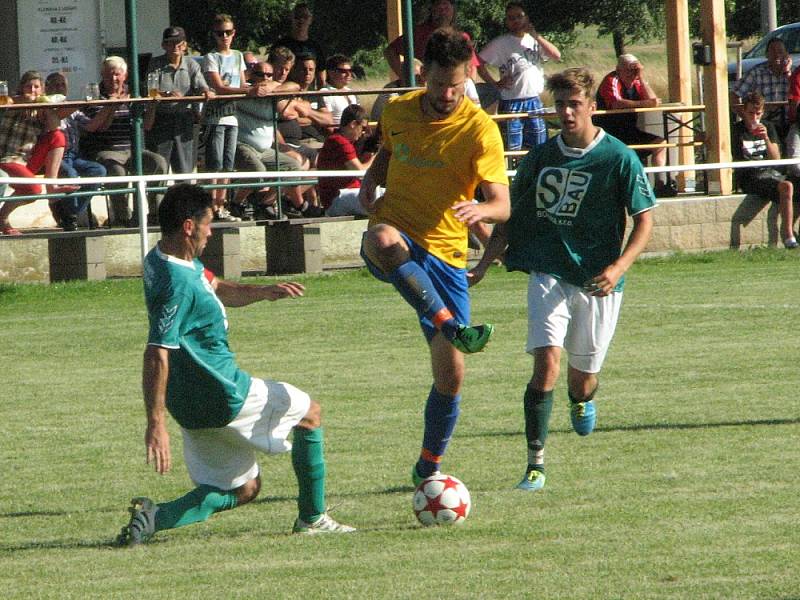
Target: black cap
{"x":174,"y":34}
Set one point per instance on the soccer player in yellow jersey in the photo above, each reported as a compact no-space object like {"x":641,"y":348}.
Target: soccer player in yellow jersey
{"x":438,"y":147}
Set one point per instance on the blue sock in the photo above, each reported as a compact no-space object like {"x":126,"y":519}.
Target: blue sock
{"x":417,"y":289}
{"x":441,"y":414}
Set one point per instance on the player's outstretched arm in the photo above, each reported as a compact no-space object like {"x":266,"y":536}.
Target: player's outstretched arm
{"x":604,"y":283}
{"x":242,"y":294}
{"x":494,"y":249}
{"x":155,"y":370}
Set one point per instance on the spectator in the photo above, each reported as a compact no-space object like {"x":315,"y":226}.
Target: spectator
{"x":626,"y":87}
{"x":382,"y":99}
{"x":110,"y":139}
{"x":314,"y":118}
{"x":519,"y":55}
{"x":171,"y":133}
{"x":339,"y":69}
{"x":73,"y":164}
{"x":255,"y":150}
{"x":771,"y":80}
{"x":299,"y":42}
{"x":30,"y":141}
{"x":250,"y":61}
{"x":442,"y":14}
{"x":753,"y":139}
{"x":338,"y":195}
{"x":224,"y":69}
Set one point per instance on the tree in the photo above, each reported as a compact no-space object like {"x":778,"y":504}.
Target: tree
{"x":627,"y":21}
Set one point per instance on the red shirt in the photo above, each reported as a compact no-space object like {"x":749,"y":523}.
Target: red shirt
{"x":422,"y":32}
{"x":794,"y":94}
{"x":333,"y":155}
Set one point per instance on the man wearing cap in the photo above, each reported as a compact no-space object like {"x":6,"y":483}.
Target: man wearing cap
{"x":626,"y":87}
{"x":171,"y":133}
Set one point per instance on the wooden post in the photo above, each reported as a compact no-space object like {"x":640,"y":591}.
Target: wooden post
{"x":394,"y":22}
{"x":679,"y":75}
{"x":718,"y":132}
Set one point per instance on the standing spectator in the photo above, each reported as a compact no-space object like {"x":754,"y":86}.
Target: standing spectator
{"x":442,"y":13}
{"x":519,"y":55}
{"x":626,"y":87}
{"x":340,"y":73}
{"x":224,"y":69}
{"x":225,"y":414}
{"x":570,"y":240}
{"x":30,"y":141}
{"x":109,"y":142}
{"x":299,"y":42}
{"x":339,"y":195}
{"x":171,"y":133}
{"x":753,"y":139}
{"x":771,"y":80}
{"x":72,"y":164}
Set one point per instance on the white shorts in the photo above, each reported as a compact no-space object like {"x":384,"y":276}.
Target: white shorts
{"x":225,"y":457}
{"x":563,"y":315}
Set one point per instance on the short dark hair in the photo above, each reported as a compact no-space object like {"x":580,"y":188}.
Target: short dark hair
{"x":754,"y":99}
{"x":182,"y":201}
{"x":334,"y":61}
{"x":447,"y":47}
{"x":29,"y":76}
{"x":774,"y":40}
{"x":354,"y":112}
{"x":572,"y":80}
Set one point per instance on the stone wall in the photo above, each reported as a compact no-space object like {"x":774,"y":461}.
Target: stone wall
{"x":686,"y":224}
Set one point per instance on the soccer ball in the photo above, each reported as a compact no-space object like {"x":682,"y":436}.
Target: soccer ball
{"x":441,"y":500}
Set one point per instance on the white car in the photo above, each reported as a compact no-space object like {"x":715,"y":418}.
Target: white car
{"x":790,"y":34}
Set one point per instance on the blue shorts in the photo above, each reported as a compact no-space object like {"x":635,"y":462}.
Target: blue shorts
{"x":450,"y":282}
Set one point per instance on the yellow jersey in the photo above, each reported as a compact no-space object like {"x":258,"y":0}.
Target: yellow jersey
{"x":434,"y":165}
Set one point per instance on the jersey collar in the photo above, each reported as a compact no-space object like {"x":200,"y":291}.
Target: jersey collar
{"x":579,"y":152}
{"x":175,"y":260}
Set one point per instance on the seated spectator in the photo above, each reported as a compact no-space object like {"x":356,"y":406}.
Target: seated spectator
{"x":382,"y":99}
{"x":73,"y":164}
{"x":170,"y":130}
{"x":626,"y":88}
{"x":250,"y":61}
{"x":339,"y":195}
{"x":772,"y":79}
{"x":753,"y":139}
{"x":256,"y":151}
{"x":30,"y":142}
{"x":109,"y":142}
{"x":311,"y":114}
{"x":300,"y":42}
{"x":340,"y":73}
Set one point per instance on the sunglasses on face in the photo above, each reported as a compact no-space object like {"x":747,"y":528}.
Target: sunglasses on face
{"x":344,"y":71}
{"x":262,"y":74}
{"x":223,"y":32}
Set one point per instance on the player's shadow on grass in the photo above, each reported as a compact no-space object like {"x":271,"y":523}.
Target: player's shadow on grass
{"x":650,"y":427}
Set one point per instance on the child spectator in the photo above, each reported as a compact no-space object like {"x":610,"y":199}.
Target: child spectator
{"x":339,"y":195}
{"x":754,"y":140}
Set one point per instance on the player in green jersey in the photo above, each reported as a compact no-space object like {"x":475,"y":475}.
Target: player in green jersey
{"x":225,"y":415}
{"x":569,"y":201}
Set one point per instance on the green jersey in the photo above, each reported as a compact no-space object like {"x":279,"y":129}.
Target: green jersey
{"x":205,"y":387}
{"x":568,"y":207}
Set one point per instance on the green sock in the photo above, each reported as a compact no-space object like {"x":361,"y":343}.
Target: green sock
{"x":194,"y":507}
{"x":538,"y":406}
{"x":308,"y":461}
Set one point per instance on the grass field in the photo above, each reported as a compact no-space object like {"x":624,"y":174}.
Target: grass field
{"x":688,"y":488}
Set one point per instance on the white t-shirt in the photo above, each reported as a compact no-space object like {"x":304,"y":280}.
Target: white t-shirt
{"x":229,"y":67}
{"x":520,"y":58}
{"x":337,"y":104}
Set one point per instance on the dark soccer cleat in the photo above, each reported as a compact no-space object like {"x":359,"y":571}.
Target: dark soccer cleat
{"x":142,"y":524}
{"x":416,"y":478}
{"x":472,"y":339}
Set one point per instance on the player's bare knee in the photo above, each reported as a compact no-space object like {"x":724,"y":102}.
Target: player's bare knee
{"x":248,"y":492}
{"x":313,"y":418}
{"x":546,"y":368}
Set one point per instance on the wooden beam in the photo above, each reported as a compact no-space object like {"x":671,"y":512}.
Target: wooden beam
{"x":715,"y":76}
{"x":679,"y":75}
{"x":394,"y":23}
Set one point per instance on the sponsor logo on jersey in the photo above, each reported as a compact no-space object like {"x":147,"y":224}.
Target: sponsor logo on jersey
{"x":402,"y":152}
{"x":560,"y":193}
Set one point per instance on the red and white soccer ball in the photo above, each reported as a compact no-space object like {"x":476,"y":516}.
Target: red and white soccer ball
{"x":441,"y":500}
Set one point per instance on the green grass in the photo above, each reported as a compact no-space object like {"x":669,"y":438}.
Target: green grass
{"x":688,"y":488}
